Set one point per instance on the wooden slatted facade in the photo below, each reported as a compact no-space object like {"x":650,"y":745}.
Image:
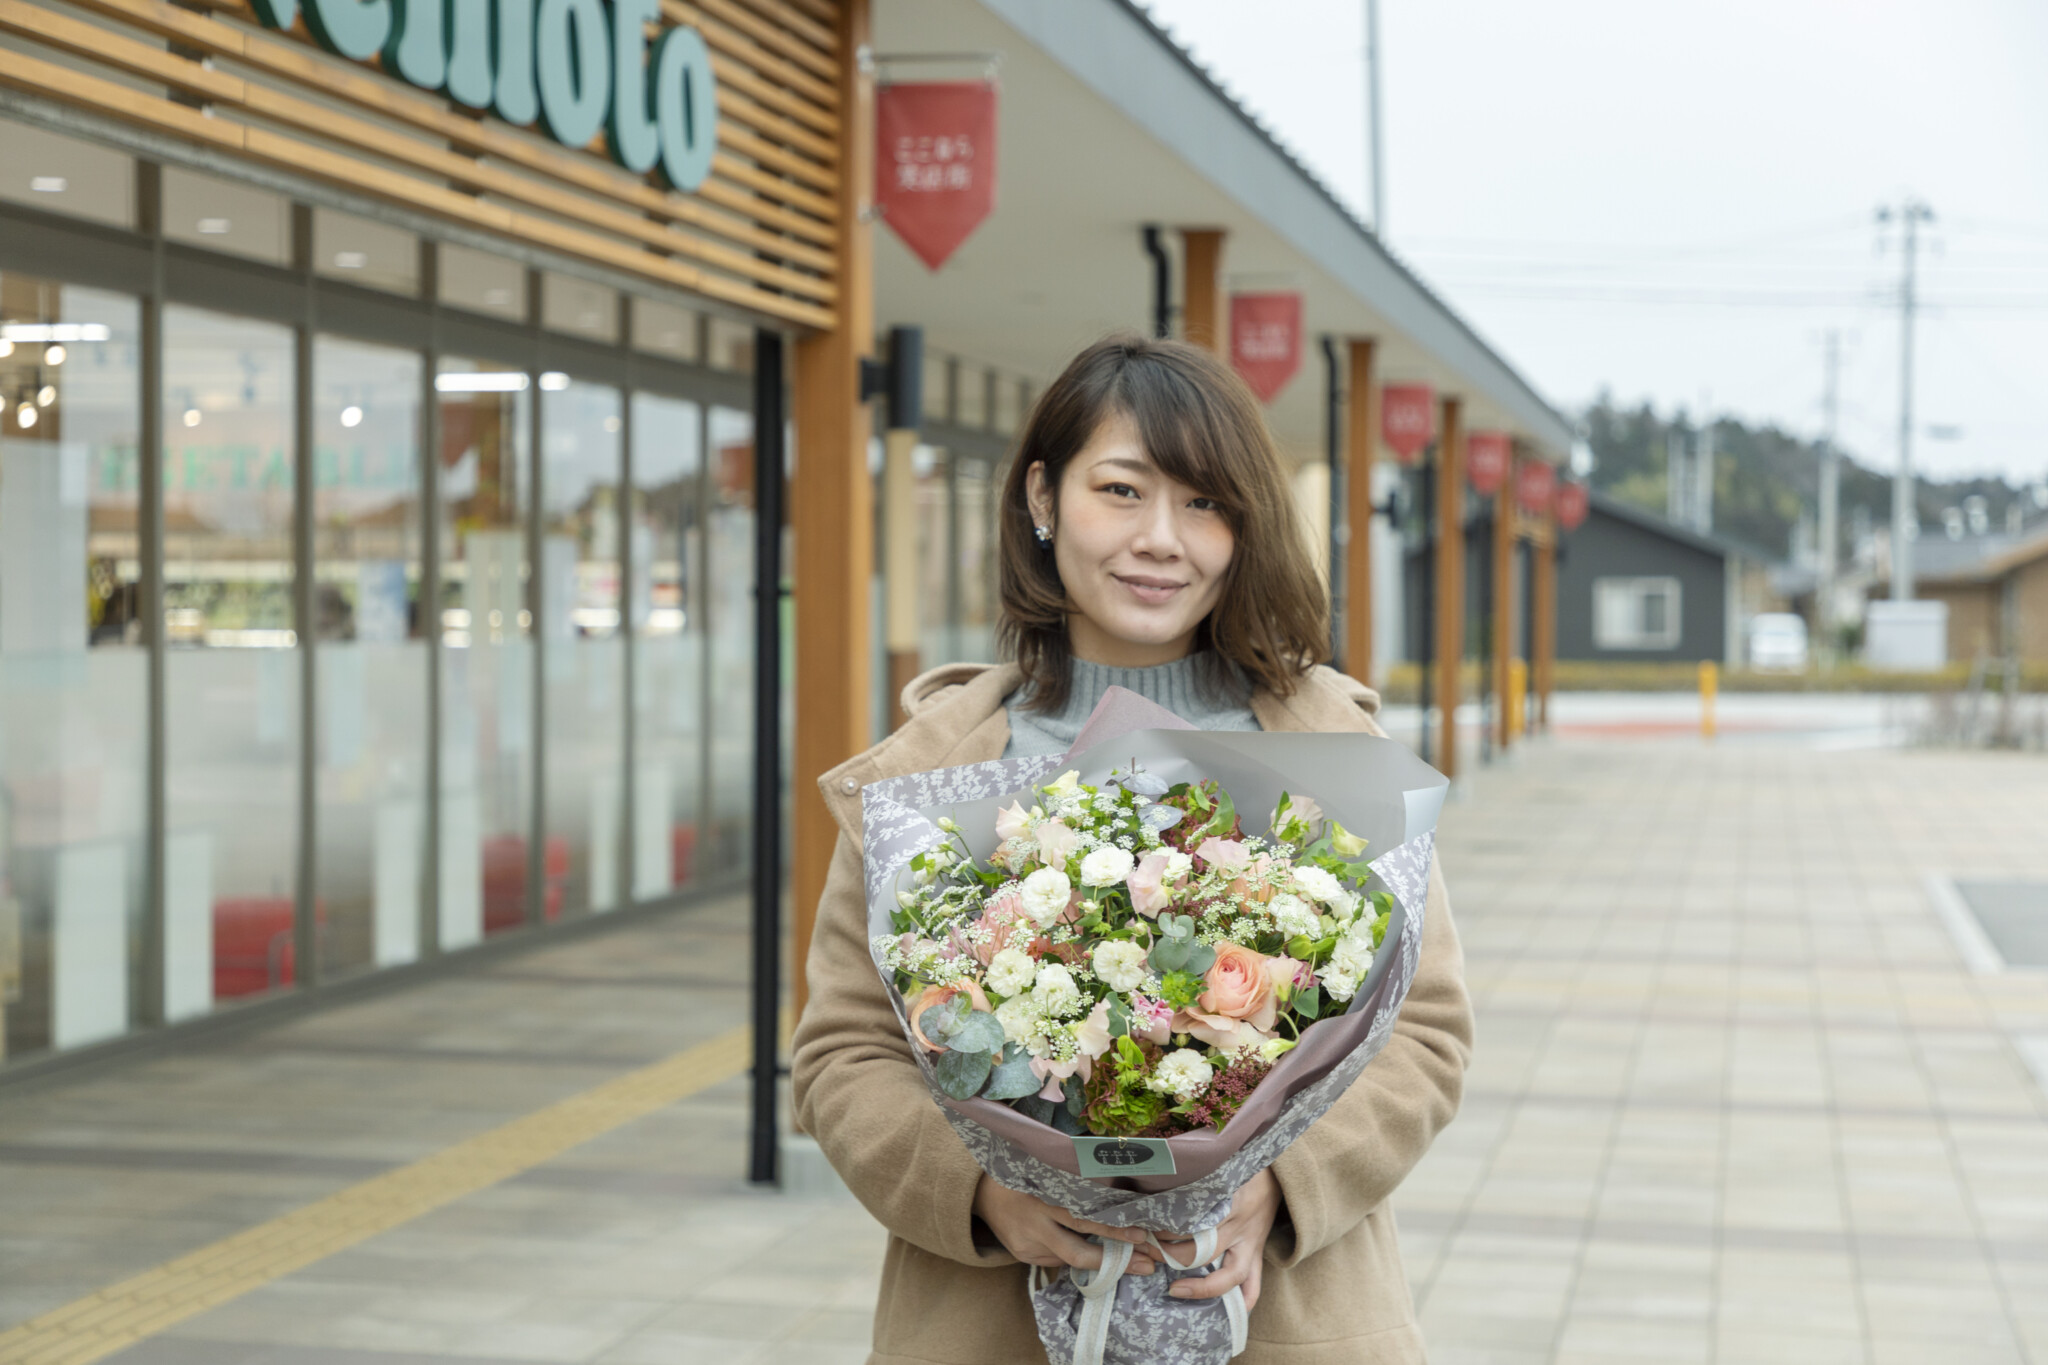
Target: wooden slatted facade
{"x":760,"y":234}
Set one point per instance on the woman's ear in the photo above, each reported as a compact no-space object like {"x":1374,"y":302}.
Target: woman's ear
{"x":1038,"y":494}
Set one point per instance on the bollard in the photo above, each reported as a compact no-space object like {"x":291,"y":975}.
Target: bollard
{"x":1518,"y":697}
{"x":1710,"y":684}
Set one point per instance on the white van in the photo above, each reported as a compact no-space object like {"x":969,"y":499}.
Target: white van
{"x":1777,"y":642}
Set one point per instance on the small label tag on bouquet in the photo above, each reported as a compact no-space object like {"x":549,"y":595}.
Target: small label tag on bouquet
{"x":1101,"y":1156}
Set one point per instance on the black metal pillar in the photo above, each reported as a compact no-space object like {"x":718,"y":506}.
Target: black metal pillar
{"x":1340,"y":529}
{"x":764,"y":1143}
{"x":1162,"y":283}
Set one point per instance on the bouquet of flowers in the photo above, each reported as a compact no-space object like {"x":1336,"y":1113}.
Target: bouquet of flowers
{"x":1124,"y":1004}
{"x":1128,"y":962}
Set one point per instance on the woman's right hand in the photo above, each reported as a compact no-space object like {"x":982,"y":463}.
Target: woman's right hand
{"x":1038,"y":1233}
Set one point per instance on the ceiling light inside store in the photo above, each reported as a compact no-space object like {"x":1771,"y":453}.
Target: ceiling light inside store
{"x":55,"y":331}
{"x":191,"y":417}
{"x":490,"y":382}
{"x":25,"y":416}
{"x":46,"y":395}
{"x":554,"y":381}
{"x":48,"y":184}
{"x":54,"y":355}
{"x":351,"y":415}
{"x":214,"y":227}
{"x":351,"y":260}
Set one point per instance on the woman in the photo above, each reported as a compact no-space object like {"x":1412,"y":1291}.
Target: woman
{"x":1148,"y":540}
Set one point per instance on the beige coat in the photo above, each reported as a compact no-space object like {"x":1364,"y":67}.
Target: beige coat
{"x":1334,"y":1289}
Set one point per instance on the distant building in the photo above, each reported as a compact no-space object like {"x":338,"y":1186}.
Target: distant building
{"x":1633,"y":586}
{"x":1996,"y":587}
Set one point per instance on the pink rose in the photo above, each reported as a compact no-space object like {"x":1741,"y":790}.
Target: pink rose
{"x":1012,"y":822}
{"x":1056,"y":843}
{"x":1217,"y":1030}
{"x":1238,"y":986}
{"x":939,"y":995}
{"x":1224,"y":853}
{"x":1148,"y":885}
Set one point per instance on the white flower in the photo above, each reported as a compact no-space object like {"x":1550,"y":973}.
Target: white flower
{"x":1178,"y":865}
{"x":1121,"y":965}
{"x":1318,"y":885}
{"x":1273,"y":1049}
{"x":1183,"y":1073}
{"x":1065,"y":785}
{"x":1056,"y":993}
{"x":1022,"y":1023}
{"x":1292,"y":915}
{"x":1046,"y":893}
{"x":1106,"y":867}
{"x":1011,"y":972}
{"x":1349,"y":961}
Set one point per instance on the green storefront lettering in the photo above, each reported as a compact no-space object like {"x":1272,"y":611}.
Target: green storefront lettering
{"x":575,"y":66}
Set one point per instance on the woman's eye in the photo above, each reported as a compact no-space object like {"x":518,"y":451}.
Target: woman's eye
{"x":1121,"y":490}
{"x":1205,"y":505}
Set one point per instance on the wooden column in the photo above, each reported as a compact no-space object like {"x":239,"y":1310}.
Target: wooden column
{"x":832,"y":507}
{"x":1450,"y":579}
{"x":1543,"y":630}
{"x":1202,"y":263}
{"x":1503,"y":622}
{"x":1362,"y":448}
{"x":899,"y":565}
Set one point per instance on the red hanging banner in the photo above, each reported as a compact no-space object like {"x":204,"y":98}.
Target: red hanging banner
{"x":1574,"y":500}
{"x":1534,"y":483}
{"x":935,"y":163}
{"x":1265,"y":340}
{"x":1487,"y":454}
{"x":1407,"y":419}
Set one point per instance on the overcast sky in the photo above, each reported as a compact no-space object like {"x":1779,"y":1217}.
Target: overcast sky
{"x":1676,"y":203}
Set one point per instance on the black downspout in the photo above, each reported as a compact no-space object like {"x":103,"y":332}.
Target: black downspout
{"x":765,"y":1135}
{"x":1333,"y":446}
{"x":1162,"y":283}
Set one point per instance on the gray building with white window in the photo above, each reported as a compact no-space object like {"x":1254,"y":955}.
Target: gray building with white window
{"x":1633,"y":586}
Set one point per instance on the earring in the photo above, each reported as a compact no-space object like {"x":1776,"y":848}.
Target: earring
{"x":1044,"y":534}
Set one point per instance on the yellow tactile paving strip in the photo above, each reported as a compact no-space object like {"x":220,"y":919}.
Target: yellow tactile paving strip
{"x":98,"y":1325}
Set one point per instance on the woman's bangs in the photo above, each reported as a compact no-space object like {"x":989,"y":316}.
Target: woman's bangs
{"x":1176,"y":426}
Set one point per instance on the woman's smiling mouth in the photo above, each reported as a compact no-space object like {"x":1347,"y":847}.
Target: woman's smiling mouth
{"x":1151,"y":591}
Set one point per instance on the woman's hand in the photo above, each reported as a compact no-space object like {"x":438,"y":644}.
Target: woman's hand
{"x":1037,"y":1233}
{"x":1241,"y":1238}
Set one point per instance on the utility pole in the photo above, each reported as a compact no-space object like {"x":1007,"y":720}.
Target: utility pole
{"x":1375,"y":145}
{"x":1703,"y":475}
{"x":1830,"y":499}
{"x":1905,"y":520}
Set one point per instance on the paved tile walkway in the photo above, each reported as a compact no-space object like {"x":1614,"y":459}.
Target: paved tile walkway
{"x":1736,"y":1100}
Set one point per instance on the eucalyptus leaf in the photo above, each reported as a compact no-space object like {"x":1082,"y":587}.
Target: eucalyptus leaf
{"x":1160,"y":819}
{"x":961,"y":1073}
{"x":941,"y":1019}
{"x":978,"y":1032}
{"x":1013,"y":1078}
{"x":1032,"y":1107}
{"x":1119,"y":1017}
{"x":1076,"y":1099}
{"x":1067,"y":1123}
{"x":1142,"y":783}
{"x":1169,"y":955}
{"x":1201,"y":957}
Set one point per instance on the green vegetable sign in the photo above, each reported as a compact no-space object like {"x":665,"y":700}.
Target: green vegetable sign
{"x":575,"y":65}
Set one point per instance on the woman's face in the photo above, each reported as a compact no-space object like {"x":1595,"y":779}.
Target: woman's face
{"x":1143,"y":557}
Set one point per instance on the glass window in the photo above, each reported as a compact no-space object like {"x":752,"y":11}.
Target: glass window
{"x":370,"y":650}
{"x":970,"y":396}
{"x":1007,"y":404}
{"x":584,"y":656}
{"x":1635,"y":613}
{"x":668,"y":618}
{"x":730,"y":628}
{"x":938,"y":379}
{"x":483,"y":283}
{"x":232,"y":677}
{"x":366,"y":252}
{"x":224,"y":215}
{"x":486,"y":801}
{"x":731,"y":345}
{"x":666,"y":330}
{"x":73,"y":674}
{"x":579,"y":307}
{"x":64,"y":175}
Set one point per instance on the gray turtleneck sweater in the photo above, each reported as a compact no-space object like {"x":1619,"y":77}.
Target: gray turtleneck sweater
{"x":1176,"y":686}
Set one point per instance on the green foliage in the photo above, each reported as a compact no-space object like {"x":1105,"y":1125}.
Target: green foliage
{"x":1175,"y":950}
{"x":1012,"y":1078}
{"x":1118,"y":1103}
{"x":977,"y":1031}
{"x":1180,"y":989}
{"x":961,"y":1074}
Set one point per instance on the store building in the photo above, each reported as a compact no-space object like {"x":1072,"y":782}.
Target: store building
{"x":378,"y":461}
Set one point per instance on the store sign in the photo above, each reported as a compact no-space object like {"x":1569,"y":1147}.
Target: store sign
{"x":1574,"y":500}
{"x":1487,"y":456}
{"x":1265,"y":340}
{"x":935,"y":163}
{"x":1535,"y":481}
{"x":1407,"y":419}
{"x":576,"y":65}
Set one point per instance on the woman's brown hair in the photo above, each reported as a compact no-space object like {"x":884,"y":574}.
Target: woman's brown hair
{"x":1201,"y":425}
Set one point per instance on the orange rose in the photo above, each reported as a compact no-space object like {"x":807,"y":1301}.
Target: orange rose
{"x":939,"y":995}
{"x":1239,"y":987}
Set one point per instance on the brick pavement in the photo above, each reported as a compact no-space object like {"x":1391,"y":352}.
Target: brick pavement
{"x":1736,"y":1100}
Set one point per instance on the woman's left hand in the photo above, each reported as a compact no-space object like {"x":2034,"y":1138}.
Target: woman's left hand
{"x":1240,"y":1238}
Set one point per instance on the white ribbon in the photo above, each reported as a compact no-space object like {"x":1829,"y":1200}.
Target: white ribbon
{"x":1098,"y":1293}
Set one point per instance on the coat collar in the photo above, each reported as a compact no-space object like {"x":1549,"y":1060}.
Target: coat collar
{"x":957,"y":717}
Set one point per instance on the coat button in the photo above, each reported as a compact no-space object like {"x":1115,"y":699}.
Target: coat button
{"x":849,"y":786}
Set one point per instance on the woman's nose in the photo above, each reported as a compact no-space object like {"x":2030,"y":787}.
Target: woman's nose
{"x":1158,"y":533}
